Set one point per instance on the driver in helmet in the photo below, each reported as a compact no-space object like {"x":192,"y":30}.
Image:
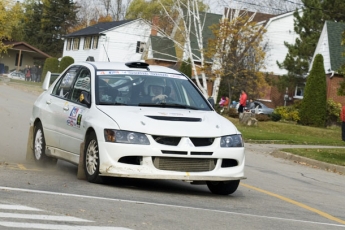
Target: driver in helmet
{"x":156,"y":91}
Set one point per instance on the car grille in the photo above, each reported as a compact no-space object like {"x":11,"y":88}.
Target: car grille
{"x":184,"y":164}
{"x":174,"y":141}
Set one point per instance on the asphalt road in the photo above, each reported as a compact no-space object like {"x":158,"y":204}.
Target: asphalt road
{"x":277,"y":194}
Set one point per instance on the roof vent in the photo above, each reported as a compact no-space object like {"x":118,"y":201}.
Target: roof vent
{"x":140,"y":65}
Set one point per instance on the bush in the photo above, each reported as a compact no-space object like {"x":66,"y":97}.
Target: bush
{"x":52,"y":65}
{"x":65,"y":62}
{"x":313,"y":111}
{"x":287,"y":113}
{"x":333,"y":111}
{"x":262,"y":117}
{"x":276,"y":116}
{"x":232,"y":112}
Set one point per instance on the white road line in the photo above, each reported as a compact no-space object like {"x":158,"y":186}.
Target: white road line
{"x":56,"y":227}
{"x":165,"y":205}
{"x":17,"y":207}
{"x":41,"y":217}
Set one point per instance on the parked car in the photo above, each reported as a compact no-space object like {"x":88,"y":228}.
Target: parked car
{"x":135,"y":120}
{"x":16,"y":75}
{"x":261,"y":108}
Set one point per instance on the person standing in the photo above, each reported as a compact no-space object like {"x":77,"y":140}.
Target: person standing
{"x":39,"y":73}
{"x":243,"y":103}
{"x":342,"y":118}
{"x":33,"y":73}
{"x":27,"y":73}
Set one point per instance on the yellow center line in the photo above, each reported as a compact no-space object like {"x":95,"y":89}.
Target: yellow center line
{"x":326,"y":215}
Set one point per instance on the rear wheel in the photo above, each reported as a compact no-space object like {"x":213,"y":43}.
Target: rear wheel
{"x":91,"y":159}
{"x":40,"y":147}
{"x":223,"y":187}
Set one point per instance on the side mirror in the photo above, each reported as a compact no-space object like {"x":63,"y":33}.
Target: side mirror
{"x":85,"y":98}
{"x":46,"y":81}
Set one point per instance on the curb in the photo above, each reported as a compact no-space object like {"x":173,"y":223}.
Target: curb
{"x":310,"y":162}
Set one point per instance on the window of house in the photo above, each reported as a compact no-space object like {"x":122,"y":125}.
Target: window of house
{"x":69,"y":44}
{"x":140,"y":47}
{"x":76,"y":43}
{"x":95,"y":42}
{"x":299,"y":91}
{"x":87,"y":43}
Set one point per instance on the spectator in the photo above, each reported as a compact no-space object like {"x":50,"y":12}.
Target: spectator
{"x":33,"y":73}
{"x":243,"y":103}
{"x":27,"y":73}
{"x":39,"y":73}
{"x":251,"y":104}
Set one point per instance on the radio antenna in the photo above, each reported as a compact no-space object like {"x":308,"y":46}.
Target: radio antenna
{"x":106,"y":53}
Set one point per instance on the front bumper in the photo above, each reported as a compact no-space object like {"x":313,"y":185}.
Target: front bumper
{"x":111,"y":153}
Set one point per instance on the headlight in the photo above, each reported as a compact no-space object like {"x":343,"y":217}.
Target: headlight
{"x":127,"y":137}
{"x":231,"y":141}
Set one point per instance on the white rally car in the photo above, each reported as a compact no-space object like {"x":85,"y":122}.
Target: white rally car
{"x":135,"y":120}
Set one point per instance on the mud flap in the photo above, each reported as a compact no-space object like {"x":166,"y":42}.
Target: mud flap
{"x":81,"y":172}
{"x":29,"y":146}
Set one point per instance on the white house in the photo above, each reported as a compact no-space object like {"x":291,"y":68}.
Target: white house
{"x":280,"y":29}
{"x":108,"y":41}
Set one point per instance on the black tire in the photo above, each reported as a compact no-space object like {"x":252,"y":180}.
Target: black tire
{"x":91,"y":159}
{"x":39,"y":147}
{"x":223,"y":187}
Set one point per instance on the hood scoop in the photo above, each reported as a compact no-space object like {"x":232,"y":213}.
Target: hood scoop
{"x":165,"y":118}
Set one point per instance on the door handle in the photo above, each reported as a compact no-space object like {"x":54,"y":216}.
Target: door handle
{"x":48,"y":102}
{"x":66,"y":108}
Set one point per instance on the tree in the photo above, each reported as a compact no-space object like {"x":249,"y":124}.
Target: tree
{"x":46,"y":22}
{"x":262,"y":6}
{"x":313,"y":110}
{"x":52,"y":65}
{"x":186,"y":68}
{"x":308,"y":25}
{"x":114,"y":8}
{"x":166,"y":10}
{"x":65,"y":62}
{"x":238,"y":54}
{"x":9,"y":19}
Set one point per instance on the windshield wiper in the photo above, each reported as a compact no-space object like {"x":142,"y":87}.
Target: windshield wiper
{"x":111,"y":103}
{"x":168,"y":105}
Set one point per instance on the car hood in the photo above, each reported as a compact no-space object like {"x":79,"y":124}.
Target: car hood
{"x":170,"y":121}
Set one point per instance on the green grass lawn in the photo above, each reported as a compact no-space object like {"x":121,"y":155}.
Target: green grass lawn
{"x":332,"y":156}
{"x":289,"y":133}
{"x":270,"y":132}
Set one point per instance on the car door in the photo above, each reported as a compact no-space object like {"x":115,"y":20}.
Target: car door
{"x":74,"y":112}
{"x":56,"y":103}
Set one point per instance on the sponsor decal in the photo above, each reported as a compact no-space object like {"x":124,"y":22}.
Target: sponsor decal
{"x":141,"y":73}
{"x":75,"y":117}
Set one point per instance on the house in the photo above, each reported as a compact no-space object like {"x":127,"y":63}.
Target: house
{"x":19,"y":55}
{"x":279,"y":29}
{"x":329,"y":45}
{"x":108,"y":41}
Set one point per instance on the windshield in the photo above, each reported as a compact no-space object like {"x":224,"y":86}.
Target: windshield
{"x":136,"y":88}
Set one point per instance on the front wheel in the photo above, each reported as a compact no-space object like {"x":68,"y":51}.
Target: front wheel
{"x":91,"y":159}
{"x":223,"y":187}
{"x":40,"y":147}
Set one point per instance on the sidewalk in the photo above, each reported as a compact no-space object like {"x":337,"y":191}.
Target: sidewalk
{"x":274,"y":150}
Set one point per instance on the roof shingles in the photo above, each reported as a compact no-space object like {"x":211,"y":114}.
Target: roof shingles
{"x":336,"y":50}
{"x":97,"y":28}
